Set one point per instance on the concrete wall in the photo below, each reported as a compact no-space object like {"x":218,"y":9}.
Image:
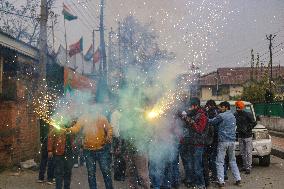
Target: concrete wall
{"x":206,"y":94}
{"x":273,"y":123}
{"x":236,"y":90}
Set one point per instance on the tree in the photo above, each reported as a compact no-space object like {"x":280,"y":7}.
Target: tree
{"x":258,"y":91}
{"x":139,"y":49}
{"x":140,"y":45}
{"x":22,"y":22}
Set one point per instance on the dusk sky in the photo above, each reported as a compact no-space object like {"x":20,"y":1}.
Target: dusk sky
{"x":209,"y":33}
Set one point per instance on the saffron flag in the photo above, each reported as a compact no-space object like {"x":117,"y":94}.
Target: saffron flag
{"x":67,"y":13}
{"x":75,"y":81}
{"x":88,"y":56}
{"x":96,"y":56}
{"x":76,"y":47}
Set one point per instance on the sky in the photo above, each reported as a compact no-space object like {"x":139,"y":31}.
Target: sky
{"x":207,"y":33}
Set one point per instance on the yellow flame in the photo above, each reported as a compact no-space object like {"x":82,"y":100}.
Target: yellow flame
{"x":152,"y":114}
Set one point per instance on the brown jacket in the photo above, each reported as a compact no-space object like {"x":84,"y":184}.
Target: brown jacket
{"x":57,"y":142}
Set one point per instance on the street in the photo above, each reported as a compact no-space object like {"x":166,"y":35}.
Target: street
{"x":261,"y":177}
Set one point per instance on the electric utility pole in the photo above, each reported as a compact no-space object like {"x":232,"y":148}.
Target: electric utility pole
{"x":251,"y":65}
{"x":270,"y":38}
{"x":103,"y":66}
{"x":43,"y":42}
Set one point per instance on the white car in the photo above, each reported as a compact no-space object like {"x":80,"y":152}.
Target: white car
{"x":261,"y":139}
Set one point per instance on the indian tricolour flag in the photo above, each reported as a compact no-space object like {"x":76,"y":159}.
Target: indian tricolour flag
{"x":67,"y":13}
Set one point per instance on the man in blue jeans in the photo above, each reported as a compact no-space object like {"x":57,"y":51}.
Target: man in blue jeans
{"x":97,"y":134}
{"x":103,"y":157}
{"x":226,"y":123}
{"x":196,"y":123}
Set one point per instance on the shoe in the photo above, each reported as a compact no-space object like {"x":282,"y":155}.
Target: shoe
{"x":238,"y":183}
{"x":40,"y":181}
{"x":50,"y":182}
{"x":221,"y":185}
{"x":119,"y":179}
{"x":247,"y":172}
{"x":76,"y":165}
{"x":188,"y":185}
{"x":243,"y":169}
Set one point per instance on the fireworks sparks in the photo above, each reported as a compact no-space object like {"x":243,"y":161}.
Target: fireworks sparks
{"x":45,"y":104}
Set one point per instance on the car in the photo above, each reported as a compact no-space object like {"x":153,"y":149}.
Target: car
{"x":261,"y":139}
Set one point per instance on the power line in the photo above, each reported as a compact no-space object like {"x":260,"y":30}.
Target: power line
{"x":85,"y":23}
{"x":87,"y":12}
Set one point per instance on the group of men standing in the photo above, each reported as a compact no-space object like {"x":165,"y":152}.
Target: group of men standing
{"x":206,"y":147}
{"x":208,"y":144}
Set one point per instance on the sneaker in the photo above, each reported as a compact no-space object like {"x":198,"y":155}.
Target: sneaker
{"x":76,"y":165}
{"x":247,"y":172}
{"x":238,"y":183}
{"x":188,"y":185}
{"x":40,"y":181}
{"x":221,"y":185}
{"x":50,"y":182}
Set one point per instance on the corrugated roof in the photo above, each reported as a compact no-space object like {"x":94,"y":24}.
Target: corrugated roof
{"x":238,"y":75}
{"x":17,"y":45}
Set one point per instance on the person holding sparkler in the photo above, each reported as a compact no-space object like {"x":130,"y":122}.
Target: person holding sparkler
{"x":97,"y":133}
{"x":196,"y":123}
{"x":61,"y":147}
{"x":137,"y":167}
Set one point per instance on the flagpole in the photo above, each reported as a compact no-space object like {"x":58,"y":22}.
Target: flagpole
{"x":75,"y":66}
{"x":83,"y":64}
{"x":94,"y":67}
{"x":65,"y":42}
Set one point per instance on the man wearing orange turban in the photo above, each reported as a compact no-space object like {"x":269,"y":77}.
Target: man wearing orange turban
{"x":245,"y":123}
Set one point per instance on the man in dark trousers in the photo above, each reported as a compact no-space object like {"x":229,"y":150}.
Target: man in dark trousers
{"x":45,"y":160}
{"x":210,"y":154}
{"x":245,"y":124}
{"x":61,"y":147}
{"x":196,"y":122}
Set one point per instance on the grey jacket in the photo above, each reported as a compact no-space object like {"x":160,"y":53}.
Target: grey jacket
{"x":226,"y":123}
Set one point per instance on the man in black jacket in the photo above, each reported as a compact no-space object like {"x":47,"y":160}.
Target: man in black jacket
{"x":245,"y":124}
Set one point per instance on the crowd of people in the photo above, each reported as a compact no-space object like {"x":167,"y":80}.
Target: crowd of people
{"x":206,"y":148}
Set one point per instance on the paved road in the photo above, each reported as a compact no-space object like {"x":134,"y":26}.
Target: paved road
{"x":261,"y":177}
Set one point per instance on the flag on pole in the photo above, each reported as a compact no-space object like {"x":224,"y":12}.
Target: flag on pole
{"x":97,"y":56}
{"x":89,"y":55}
{"x":67,"y":13}
{"x":76,"y":47}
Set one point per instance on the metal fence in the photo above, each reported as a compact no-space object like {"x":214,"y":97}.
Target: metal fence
{"x":270,"y":109}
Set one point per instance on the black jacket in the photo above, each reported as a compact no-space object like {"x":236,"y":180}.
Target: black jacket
{"x":245,"y":124}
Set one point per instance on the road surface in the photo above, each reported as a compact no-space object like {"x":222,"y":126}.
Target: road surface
{"x":261,"y":177}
